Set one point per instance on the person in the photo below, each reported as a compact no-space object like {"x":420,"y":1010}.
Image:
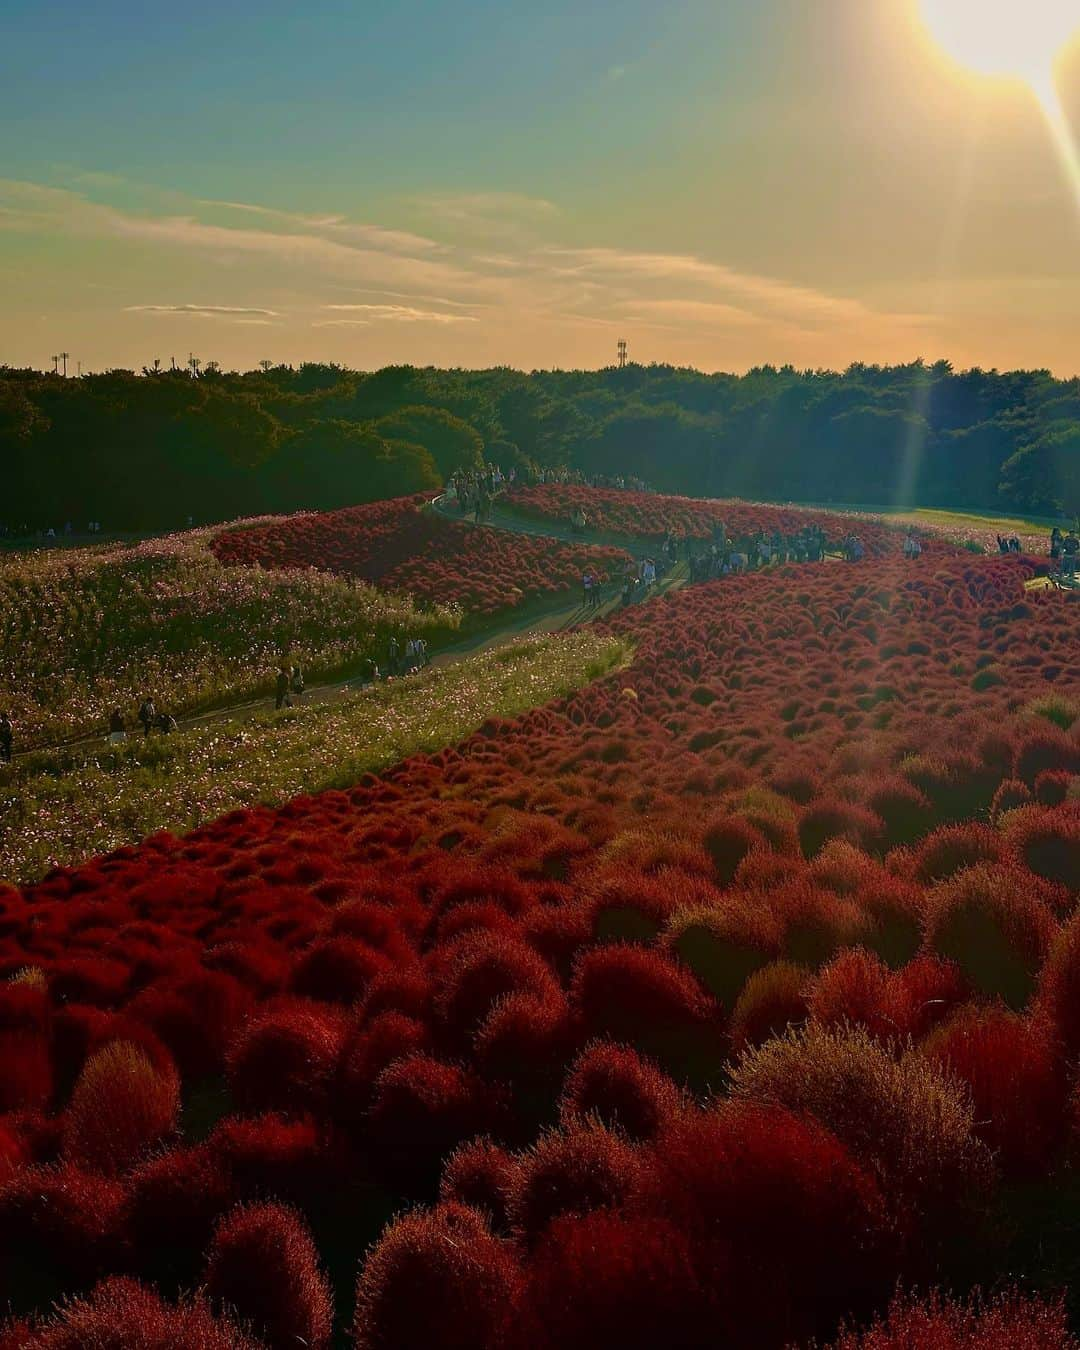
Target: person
{"x":1003,"y":544}
{"x":1055,"y":543}
{"x":1014,"y":544}
{"x":858,"y":549}
{"x":166,"y":723}
{"x":422,"y":658}
{"x":393,"y":657}
{"x":912,"y":547}
{"x":296,"y":680}
{"x":7,"y":737}
{"x":147,"y":713}
{"x":1070,"y":554}
{"x":281,"y":689}
{"x":588,"y":581}
{"x":117,"y":730}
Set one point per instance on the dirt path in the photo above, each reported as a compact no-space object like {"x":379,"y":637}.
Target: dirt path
{"x":556,"y":615}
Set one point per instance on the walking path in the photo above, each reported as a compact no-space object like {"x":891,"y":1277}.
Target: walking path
{"x":556,"y":615}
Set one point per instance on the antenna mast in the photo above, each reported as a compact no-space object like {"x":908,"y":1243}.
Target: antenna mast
{"x":623,"y":358}
{"x":64,"y":357}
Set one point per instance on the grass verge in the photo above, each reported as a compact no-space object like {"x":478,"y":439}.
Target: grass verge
{"x":61,"y":807}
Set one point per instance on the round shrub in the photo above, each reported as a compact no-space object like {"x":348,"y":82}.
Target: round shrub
{"x":571,"y":1172}
{"x":773,"y":999}
{"x":421,"y":1110}
{"x":647,"y":1000}
{"x":337,"y":970}
{"x":1048,"y":841}
{"x":263,"y":1264}
{"x":1009,"y":1321}
{"x":727,"y":841}
{"x":486,"y":969}
{"x":1017,"y":1081}
{"x":953,"y":847}
{"x":482,"y":1176}
{"x":436,"y":1278}
{"x":285,"y":1058}
{"x":621,"y":1089}
{"x":387,"y":1037}
{"x":173,"y":1203}
{"x":607,"y":1278}
{"x":121,"y":1106}
{"x":724,"y":944}
{"x":121,"y":1314}
{"x":758,"y":1189}
{"x":904,"y":1118}
{"x":992,"y":923}
{"x":853,"y":988}
{"x":831,"y":818}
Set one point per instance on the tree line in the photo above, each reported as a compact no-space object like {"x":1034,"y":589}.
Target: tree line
{"x":147,"y":450}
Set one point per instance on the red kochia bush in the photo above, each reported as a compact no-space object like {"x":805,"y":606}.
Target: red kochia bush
{"x":121,"y":1314}
{"x":830,"y":818}
{"x":993,"y":923}
{"x":483,"y":1176}
{"x":437,"y":1278}
{"x":173,"y":1202}
{"x":621,"y":1088}
{"x":854,"y":988}
{"x":269,"y":1155}
{"x":1049,"y":842}
{"x":337,"y":970}
{"x":571,"y":1172}
{"x":1010,"y":1321}
{"x":650,"y":1001}
{"x":263,"y":1263}
{"x":1017,"y":1080}
{"x":286,"y":1057}
{"x":423,"y":1108}
{"x":759,"y":1190}
{"x":121,"y":1106}
{"x":488,"y":967}
{"x":773,"y":999}
{"x":607,"y":1278}
{"x":387,"y":1037}
{"x":60,"y":1221}
{"x":953,"y":847}
{"x":1059,"y":986}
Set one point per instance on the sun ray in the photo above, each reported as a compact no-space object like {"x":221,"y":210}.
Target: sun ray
{"x":1065,"y":141}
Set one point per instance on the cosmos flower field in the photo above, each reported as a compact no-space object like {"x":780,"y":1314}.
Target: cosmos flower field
{"x":730,"y":1001}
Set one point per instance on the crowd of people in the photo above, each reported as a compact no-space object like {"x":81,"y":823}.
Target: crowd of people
{"x":399,"y":661}
{"x":1065,"y":549}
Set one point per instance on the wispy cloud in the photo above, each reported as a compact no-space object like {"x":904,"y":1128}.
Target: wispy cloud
{"x":402,"y":314}
{"x":206,"y":311}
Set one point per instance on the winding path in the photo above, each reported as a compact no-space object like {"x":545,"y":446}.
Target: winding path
{"x":556,"y":616}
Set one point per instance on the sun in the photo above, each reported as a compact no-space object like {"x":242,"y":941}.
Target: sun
{"x":1017,"y":38}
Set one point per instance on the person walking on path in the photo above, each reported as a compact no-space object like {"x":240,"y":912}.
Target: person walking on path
{"x":393,"y":656}
{"x":147,"y":713}
{"x":166,"y":723}
{"x":281,"y":690}
{"x":296,"y":680}
{"x":7,"y":737}
{"x":117,"y":730}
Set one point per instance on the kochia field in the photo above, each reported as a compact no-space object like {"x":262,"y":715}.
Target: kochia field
{"x":702,"y":1008}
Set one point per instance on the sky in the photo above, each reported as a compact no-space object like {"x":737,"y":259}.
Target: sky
{"x":488,"y":182}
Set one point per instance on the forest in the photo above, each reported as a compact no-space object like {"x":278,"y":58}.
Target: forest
{"x":150,"y":450}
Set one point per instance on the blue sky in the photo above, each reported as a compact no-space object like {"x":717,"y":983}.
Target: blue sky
{"x":726,"y":182}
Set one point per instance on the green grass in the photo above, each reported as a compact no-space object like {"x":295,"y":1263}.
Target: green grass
{"x":61,"y":807}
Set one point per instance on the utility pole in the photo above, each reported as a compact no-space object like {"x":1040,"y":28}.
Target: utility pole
{"x":622,"y":354}
{"x":56,"y":365}
{"x":80,"y":370}
{"x":64,"y":357}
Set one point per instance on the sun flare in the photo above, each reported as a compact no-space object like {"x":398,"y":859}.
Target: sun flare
{"x":1004,"y":37}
